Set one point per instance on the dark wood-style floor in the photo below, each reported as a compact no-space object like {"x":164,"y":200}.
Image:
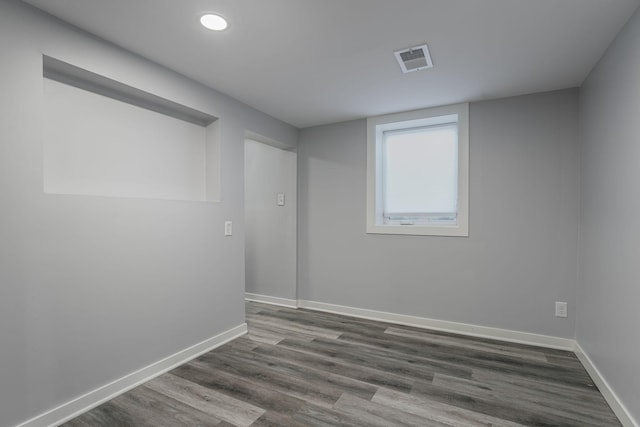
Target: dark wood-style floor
{"x":305,"y":368}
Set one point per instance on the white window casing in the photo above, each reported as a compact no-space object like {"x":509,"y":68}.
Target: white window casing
{"x":414,"y":187}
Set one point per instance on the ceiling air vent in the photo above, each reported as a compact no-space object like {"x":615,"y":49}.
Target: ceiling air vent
{"x":414,"y":58}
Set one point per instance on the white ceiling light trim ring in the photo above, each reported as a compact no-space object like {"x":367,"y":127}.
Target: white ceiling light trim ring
{"x":214,"y":21}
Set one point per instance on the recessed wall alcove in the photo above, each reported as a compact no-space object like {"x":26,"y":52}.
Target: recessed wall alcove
{"x":105,"y":138}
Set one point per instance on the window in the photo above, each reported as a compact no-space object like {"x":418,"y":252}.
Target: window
{"x":418,"y":172}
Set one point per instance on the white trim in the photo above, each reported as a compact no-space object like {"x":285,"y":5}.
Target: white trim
{"x":609,"y":395}
{"x":375,"y":126}
{"x":90,"y":400}
{"x":445,"y":326}
{"x":285,"y":302}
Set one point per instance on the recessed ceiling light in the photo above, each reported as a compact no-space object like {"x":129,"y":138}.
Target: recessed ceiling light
{"x":214,"y":22}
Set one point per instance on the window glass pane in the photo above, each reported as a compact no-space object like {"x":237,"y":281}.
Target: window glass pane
{"x":420,"y":170}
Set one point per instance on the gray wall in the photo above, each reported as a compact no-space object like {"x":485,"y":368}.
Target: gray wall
{"x":93,"y":288}
{"x":609,"y":288}
{"x":270,"y":248}
{"x":521,"y":253}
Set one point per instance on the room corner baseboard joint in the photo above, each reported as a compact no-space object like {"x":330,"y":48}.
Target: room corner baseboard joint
{"x":609,"y":395}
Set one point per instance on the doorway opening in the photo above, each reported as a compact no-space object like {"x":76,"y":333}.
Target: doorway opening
{"x":270,"y":223}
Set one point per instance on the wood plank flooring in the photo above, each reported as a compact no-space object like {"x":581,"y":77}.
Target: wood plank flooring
{"x":305,"y":368}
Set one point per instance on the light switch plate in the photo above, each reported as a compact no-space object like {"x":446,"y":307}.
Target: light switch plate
{"x":228,"y":228}
{"x":280,"y":199}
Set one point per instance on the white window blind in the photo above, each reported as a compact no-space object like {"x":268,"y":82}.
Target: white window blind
{"x":420,"y":174}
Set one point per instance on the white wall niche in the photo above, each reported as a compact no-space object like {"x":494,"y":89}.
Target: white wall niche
{"x":128,"y":142}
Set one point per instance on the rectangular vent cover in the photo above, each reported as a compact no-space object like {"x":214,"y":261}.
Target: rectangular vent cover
{"x":414,"y":58}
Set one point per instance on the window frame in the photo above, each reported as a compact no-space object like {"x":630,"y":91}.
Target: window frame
{"x":428,"y":116}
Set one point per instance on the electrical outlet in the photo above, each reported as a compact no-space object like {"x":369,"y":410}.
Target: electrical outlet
{"x":280,"y":200}
{"x":561,"y":309}
{"x":228,"y":228}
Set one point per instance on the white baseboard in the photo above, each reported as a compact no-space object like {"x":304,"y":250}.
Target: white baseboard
{"x":75,"y":407}
{"x":271,"y":300}
{"x":610,"y":396}
{"x":445,"y":326}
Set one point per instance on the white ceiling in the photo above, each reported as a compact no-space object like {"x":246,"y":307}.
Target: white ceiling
{"x":310,"y":62}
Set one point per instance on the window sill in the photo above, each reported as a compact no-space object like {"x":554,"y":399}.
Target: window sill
{"x":418,"y":230}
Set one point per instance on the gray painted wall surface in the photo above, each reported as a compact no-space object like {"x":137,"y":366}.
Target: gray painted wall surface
{"x":270,"y":248}
{"x":521,"y":253}
{"x":94,"y":288}
{"x":608,"y":321}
